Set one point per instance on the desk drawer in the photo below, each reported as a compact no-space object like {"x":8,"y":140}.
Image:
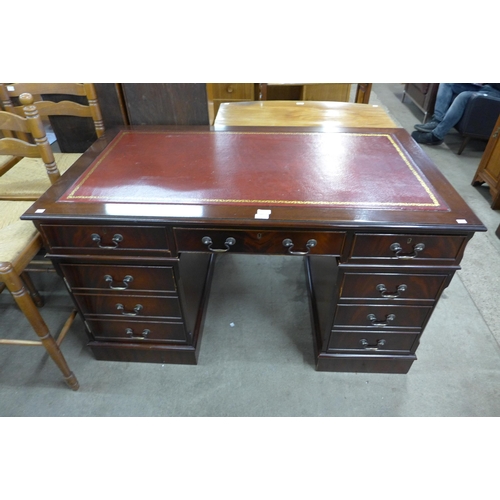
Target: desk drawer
{"x":392,"y":286}
{"x":386,"y":317}
{"x":100,"y":239}
{"x":119,"y":278}
{"x":138,"y":331}
{"x":372,"y":342}
{"x":408,"y":248}
{"x":259,"y":242}
{"x":135,"y":306}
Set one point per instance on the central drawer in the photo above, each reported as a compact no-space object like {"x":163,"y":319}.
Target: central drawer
{"x":260,"y":241}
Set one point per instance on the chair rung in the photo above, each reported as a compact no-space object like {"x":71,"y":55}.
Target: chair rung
{"x":66,"y":327}
{"x":20,"y":342}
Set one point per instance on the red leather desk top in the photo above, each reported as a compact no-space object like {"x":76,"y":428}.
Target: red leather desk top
{"x":262,"y":169}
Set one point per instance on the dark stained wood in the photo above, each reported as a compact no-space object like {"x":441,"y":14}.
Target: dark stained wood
{"x":166,"y":103}
{"x":112,"y":103}
{"x":353,"y":251}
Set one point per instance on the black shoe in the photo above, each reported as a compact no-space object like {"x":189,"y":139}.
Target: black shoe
{"x":427,"y":127}
{"x":427,"y":138}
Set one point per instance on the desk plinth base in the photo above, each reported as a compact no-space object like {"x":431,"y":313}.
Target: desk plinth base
{"x":109,"y":351}
{"x":326,"y":362}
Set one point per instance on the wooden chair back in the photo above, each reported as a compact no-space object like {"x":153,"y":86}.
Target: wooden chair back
{"x":31,"y":124}
{"x":47,"y":108}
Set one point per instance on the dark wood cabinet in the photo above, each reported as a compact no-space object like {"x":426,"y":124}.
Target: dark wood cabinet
{"x":166,"y":103}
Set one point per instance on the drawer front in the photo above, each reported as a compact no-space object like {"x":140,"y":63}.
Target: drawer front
{"x":392,"y":286}
{"x":108,"y":240}
{"x":129,"y":306}
{"x":233,"y":91}
{"x":138,"y":331}
{"x":259,"y":242}
{"x":372,"y":342}
{"x":119,"y":278}
{"x":386,"y":317}
{"x":407,"y":248}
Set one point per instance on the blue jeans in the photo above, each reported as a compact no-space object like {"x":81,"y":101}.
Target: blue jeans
{"x":451,"y":101}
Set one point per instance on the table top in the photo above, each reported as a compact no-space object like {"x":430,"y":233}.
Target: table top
{"x":325,"y":114}
{"x":302,"y":177}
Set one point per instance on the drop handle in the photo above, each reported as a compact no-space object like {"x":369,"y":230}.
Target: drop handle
{"x":206,"y":240}
{"x":394,"y":295}
{"x":130,"y":333}
{"x":397,"y":249}
{"x":288,"y":244}
{"x":373,"y":320}
{"x":116,"y":240}
{"x":366,"y":345}
{"x":109,"y":279}
{"x":137,"y":309}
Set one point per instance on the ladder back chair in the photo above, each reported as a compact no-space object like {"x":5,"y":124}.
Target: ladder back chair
{"x":30,"y":177}
{"x":20,"y":241}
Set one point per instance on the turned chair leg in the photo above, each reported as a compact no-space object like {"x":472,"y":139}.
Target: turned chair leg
{"x":23,"y":299}
{"x":35,"y":295}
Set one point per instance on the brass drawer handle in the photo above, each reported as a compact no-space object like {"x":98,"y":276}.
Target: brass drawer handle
{"x":288,"y":244}
{"x":109,"y":279}
{"x":396,"y":248}
{"x":137,"y":309}
{"x":206,"y":240}
{"x":117,"y":239}
{"x":131,"y":335}
{"x":373,"y":319}
{"x":387,"y":295}
{"x":366,"y":345}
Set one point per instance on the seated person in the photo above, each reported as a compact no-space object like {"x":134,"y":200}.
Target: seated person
{"x":451,"y":101}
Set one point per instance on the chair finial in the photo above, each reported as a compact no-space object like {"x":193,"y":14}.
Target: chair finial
{"x":26,"y":99}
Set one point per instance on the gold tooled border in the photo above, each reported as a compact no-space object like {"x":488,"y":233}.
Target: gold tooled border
{"x":434,"y":201}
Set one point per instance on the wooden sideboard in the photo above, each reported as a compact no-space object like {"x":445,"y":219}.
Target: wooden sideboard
{"x":137,"y":224}
{"x":488,"y":170}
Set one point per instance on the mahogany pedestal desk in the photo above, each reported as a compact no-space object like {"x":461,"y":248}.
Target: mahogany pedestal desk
{"x":135,"y":226}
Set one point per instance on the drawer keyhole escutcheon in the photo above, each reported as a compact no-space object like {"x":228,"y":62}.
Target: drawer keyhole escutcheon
{"x":366,"y":345}
{"x":373,"y":319}
{"x":137,"y":309}
{"x":397,"y":249}
{"x":206,"y":240}
{"x":388,"y":295}
{"x":117,"y":239}
{"x":131,"y":335}
{"x":288,"y":244}
{"x":109,"y":279}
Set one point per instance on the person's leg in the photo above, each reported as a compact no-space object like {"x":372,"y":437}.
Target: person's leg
{"x":447,"y":92}
{"x":453,"y":115}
